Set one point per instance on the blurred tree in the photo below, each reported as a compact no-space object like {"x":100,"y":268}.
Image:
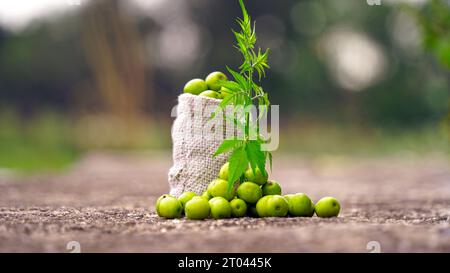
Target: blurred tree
{"x":107,"y":66}
{"x":104,"y":57}
{"x":114,"y":52}
{"x":434,"y":19}
{"x":115,"y":55}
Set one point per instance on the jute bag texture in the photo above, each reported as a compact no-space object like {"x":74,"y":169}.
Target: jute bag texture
{"x":195,"y":138}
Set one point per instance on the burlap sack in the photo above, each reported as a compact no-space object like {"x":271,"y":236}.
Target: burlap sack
{"x":193,"y":145}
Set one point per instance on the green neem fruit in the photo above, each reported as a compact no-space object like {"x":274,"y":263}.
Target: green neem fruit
{"x":170,"y":207}
{"x":271,"y":188}
{"x":210,"y":94}
{"x":213,"y":80}
{"x":277,"y":206}
{"x":159,"y":201}
{"x":223,"y":174}
{"x":261,"y":206}
{"x":327,"y":207}
{"x":301,"y":205}
{"x":186,"y":196}
{"x":225,"y":92}
{"x":220,"y":208}
{"x":256,"y":177}
{"x":249,"y":192}
{"x":197,"y":208}
{"x":206,"y":195}
{"x":195,"y":86}
{"x":219,"y":187}
{"x":288,"y":196}
{"x":238,"y":207}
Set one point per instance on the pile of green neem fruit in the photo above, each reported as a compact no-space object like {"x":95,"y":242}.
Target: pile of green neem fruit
{"x":256,"y":197}
{"x":210,"y":87}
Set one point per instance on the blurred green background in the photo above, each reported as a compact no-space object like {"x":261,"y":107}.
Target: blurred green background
{"x":350,"y":78}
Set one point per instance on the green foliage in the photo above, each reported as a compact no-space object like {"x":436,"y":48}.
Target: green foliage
{"x":256,"y":157}
{"x":227,"y":145}
{"x":434,"y":19}
{"x":246,"y":92}
{"x":238,"y":164}
{"x":43,"y":143}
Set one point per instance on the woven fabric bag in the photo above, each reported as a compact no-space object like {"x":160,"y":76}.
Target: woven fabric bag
{"x":195,"y":137}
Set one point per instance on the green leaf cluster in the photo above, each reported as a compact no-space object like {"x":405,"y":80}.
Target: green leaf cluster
{"x":434,"y":21}
{"x":246,"y":91}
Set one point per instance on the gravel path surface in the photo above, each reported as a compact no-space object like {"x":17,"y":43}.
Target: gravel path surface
{"x":106,"y":203}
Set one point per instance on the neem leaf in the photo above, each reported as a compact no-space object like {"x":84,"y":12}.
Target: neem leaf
{"x":238,"y":164}
{"x":238,"y":78}
{"x":270,"y":160}
{"x":231,"y":86}
{"x":244,"y":10}
{"x":227,"y":145}
{"x":221,"y":107}
{"x":252,"y":157}
{"x":255,"y":156}
{"x":227,"y":100}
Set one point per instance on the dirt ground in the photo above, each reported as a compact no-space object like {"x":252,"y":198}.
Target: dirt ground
{"x":106,"y":203}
